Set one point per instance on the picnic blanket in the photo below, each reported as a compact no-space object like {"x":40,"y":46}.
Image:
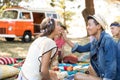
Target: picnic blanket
{"x":10,"y":67}
{"x":67,"y":71}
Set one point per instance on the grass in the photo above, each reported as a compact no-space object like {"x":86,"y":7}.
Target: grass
{"x":14,"y":49}
{"x":19,"y":49}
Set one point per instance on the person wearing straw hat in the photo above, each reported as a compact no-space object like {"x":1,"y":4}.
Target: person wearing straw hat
{"x":115,"y":29}
{"x":102,"y":50}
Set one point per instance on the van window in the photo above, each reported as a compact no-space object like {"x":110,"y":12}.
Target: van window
{"x":25,"y":15}
{"x":11,"y":14}
{"x":52,"y":15}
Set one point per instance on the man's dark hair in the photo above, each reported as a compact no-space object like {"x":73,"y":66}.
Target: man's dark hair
{"x":89,"y":17}
{"x":115,"y":24}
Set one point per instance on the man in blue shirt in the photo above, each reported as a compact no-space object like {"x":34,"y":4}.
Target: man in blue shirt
{"x":102,"y":48}
{"x":115,"y":29}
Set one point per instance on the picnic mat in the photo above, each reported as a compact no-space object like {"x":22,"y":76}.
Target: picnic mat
{"x":10,"y":67}
{"x":66,"y":71}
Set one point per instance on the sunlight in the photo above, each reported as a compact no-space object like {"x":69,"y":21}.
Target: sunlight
{"x":77,"y":26}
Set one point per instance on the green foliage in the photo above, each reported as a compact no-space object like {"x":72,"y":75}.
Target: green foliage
{"x":117,"y":18}
{"x":53,"y":0}
{"x":78,"y":6}
{"x":9,"y":3}
{"x":66,"y":15}
{"x":71,"y":0}
{"x":62,"y":4}
{"x":52,"y":4}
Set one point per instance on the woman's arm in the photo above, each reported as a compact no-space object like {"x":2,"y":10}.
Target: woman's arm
{"x":45,"y":63}
{"x":45,"y":72}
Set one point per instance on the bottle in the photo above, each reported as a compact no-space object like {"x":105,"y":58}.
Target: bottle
{"x":59,"y":57}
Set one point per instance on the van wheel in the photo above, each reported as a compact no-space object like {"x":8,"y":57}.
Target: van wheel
{"x":9,"y":39}
{"x":27,"y":37}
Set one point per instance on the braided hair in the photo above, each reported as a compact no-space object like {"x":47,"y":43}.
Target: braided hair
{"x":47,"y":26}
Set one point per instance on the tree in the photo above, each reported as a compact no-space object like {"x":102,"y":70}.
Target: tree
{"x":89,"y":10}
{"x":66,"y":14}
{"x":9,"y":3}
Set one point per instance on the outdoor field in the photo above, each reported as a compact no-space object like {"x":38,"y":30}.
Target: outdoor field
{"x":19,"y":49}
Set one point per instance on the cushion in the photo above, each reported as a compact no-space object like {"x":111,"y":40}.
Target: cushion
{"x":72,"y":58}
{"x":7,"y":60}
{"x":7,"y":71}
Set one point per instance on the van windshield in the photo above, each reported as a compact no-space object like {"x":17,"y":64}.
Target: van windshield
{"x":10,"y":14}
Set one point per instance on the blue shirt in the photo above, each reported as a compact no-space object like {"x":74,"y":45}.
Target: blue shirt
{"x":102,"y":55}
{"x":118,"y":61}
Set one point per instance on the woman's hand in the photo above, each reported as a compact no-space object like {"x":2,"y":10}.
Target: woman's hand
{"x":53,"y":75}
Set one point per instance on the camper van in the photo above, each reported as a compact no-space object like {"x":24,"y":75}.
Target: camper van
{"x":23,"y":23}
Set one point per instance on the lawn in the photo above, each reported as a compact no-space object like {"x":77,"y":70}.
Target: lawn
{"x":19,"y":49}
{"x":14,"y":49}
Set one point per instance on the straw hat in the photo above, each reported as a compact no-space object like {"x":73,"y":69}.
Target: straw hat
{"x":99,"y":19}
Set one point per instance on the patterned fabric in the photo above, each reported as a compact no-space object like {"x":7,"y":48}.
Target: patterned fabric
{"x":7,"y":60}
{"x":79,"y":67}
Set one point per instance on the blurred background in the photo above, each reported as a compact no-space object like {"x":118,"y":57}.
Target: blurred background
{"x":72,"y":13}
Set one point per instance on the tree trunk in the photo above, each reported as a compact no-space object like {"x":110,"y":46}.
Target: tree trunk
{"x":89,"y":9}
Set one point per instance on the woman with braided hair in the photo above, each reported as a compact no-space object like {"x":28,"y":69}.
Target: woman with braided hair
{"x":41,"y":53}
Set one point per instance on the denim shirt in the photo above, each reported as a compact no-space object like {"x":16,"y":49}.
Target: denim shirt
{"x":118,"y":61}
{"x":102,"y":55}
